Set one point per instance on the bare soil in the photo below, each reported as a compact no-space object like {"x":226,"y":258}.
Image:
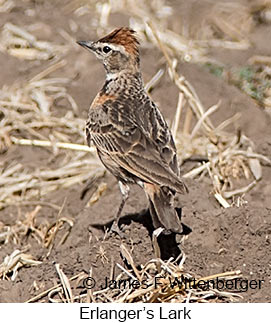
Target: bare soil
{"x":220,"y":239}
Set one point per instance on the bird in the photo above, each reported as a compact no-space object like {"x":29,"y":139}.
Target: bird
{"x":131,"y":136}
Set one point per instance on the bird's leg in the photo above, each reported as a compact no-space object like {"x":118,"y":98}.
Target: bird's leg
{"x":124,"y":189}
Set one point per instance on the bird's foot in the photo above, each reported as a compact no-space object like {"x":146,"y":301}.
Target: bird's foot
{"x":115,"y":229}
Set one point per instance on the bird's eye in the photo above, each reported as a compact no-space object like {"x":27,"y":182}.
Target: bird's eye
{"x":106,"y":49}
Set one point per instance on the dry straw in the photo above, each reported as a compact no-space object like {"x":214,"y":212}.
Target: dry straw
{"x":27,"y":118}
{"x":12,"y":263}
{"x":155,"y":281}
{"x":20,"y":43}
{"x":227,"y":160}
{"x":28,"y":108}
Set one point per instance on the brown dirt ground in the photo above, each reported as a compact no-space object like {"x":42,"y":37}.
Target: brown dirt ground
{"x":221,"y":239}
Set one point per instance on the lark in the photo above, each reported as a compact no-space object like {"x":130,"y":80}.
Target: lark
{"x":131,"y":136}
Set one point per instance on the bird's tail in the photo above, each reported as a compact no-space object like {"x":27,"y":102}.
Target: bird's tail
{"x":162,"y":211}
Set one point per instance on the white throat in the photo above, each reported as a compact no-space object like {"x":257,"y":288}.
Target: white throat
{"x":111,"y":76}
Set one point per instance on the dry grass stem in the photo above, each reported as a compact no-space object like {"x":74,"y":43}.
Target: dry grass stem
{"x":258,"y":59}
{"x":65,"y":284}
{"x":44,"y":143}
{"x":97,"y":194}
{"x":14,"y":262}
{"x":177,"y":118}
{"x":32,"y":184}
{"x":154,"y":80}
{"x":175,"y":284}
{"x":6,"y":5}
{"x":183,"y":85}
{"x":33,"y":226}
{"x":126,"y":254}
{"x":20,"y":43}
{"x":227,"y":162}
{"x":200,"y":121}
{"x":79,"y":277}
{"x":171,"y":287}
{"x":52,"y":230}
{"x":28,"y":108}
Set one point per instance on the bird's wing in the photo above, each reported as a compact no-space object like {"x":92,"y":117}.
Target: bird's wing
{"x":139,"y":142}
{"x":156,"y":130}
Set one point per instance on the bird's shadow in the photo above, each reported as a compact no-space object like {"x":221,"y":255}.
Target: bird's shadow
{"x":167,"y":242}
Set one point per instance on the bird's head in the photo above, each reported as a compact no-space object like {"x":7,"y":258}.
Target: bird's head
{"x":118,"y":50}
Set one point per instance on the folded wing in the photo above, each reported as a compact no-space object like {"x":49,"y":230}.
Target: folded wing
{"x":140,"y":143}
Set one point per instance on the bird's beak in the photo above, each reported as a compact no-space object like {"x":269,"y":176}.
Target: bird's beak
{"x":86,"y":44}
